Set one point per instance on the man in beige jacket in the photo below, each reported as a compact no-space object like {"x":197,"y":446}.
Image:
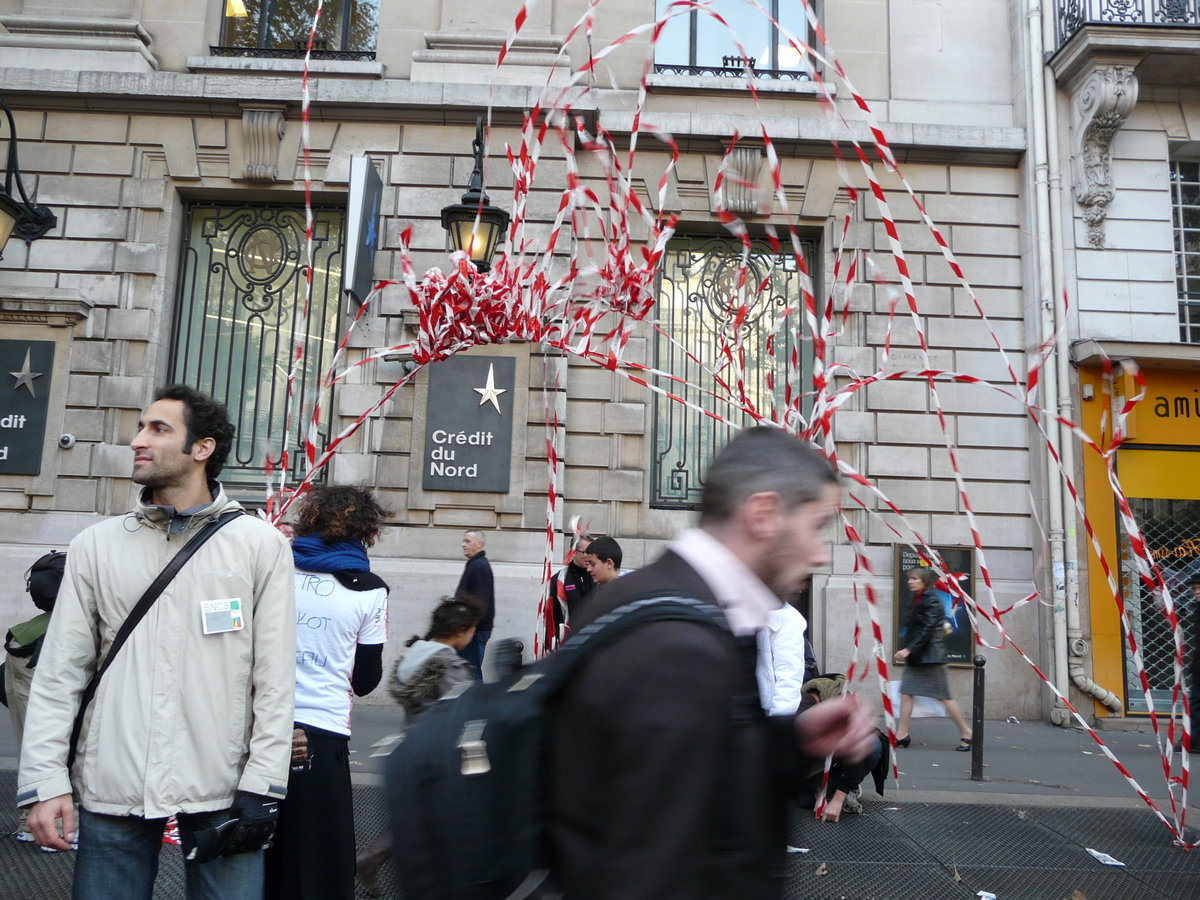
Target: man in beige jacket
{"x":194,"y":717}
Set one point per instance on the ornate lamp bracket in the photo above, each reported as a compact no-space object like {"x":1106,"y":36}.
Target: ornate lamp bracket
{"x":1100,"y":107}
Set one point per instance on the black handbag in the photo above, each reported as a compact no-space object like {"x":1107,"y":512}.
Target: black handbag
{"x":138,"y":613}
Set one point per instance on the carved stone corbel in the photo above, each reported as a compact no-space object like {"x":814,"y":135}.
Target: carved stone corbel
{"x":262,"y":131}
{"x":739,"y":186}
{"x":1100,"y":107}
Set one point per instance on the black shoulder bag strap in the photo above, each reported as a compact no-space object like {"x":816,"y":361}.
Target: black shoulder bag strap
{"x":138,"y":613}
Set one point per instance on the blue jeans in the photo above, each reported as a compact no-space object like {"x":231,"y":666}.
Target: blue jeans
{"x":473,"y":652}
{"x":118,"y":860}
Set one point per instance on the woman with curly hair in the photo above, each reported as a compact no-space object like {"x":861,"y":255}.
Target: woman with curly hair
{"x":424,"y":675}
{"x":341,"y":627}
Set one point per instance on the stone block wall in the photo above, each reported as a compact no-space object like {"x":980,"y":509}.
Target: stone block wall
{"x":120,"y":179}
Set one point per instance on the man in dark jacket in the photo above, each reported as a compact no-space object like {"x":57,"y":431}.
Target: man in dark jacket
{"x":655,"y":793}
{"x":476,"y":583}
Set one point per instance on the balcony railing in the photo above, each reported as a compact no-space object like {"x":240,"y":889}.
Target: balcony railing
{"x":1074,"y":14}
{"x":732,"y":71}
{"x":320,"y":51}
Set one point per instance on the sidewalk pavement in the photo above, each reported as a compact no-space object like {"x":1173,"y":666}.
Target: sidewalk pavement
{"x":1023,"y":833}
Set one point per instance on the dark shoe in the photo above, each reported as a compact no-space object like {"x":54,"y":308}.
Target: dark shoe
{"x":904,"y":741}
{"x":368,"y":863}
{"x":367,"y":869}
{"x":964,"y":745}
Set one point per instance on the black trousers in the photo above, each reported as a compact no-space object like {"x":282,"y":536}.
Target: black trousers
{"x":312,"y":857}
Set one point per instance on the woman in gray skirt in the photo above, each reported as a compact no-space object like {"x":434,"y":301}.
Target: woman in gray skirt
{"x":924,"y":656}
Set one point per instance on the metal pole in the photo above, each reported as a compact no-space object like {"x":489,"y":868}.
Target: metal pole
{"x":977,"y":721}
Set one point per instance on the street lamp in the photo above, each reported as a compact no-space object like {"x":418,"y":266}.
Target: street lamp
{"x":475,"y":225}
{"x":19,"y":216}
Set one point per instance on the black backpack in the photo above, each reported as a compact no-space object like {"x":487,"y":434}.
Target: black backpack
{"x":467,"y":784}
{"x":44,"y":577}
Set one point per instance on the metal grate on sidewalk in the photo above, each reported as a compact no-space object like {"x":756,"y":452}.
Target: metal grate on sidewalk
{"x":30,"y":874}
{"x":897,"y":851}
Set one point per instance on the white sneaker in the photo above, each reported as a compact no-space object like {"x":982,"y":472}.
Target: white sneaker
{"x":852,"y":805}
{"x":74,"y":846}
{"x":25,"y":837}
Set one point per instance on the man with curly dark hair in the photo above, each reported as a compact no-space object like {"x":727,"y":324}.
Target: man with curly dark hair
{"x":341,"y":627}
{"x":194,"y":716}
{"x":203,"y":417}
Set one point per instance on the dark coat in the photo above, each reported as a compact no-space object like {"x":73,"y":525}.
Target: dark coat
{"x":577,"y":583}
{"x":476,"y":583}
{"x":925,"y":630}
{"x":655,"y":795}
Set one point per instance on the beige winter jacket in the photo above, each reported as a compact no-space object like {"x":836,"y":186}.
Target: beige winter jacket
{"x":182,"y":719}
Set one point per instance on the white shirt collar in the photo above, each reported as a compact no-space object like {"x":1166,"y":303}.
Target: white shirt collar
{"x":745,"y":600}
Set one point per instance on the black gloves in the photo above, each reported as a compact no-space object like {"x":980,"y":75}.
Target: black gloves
{"x":250,"y":827}
{"x":256,"y":816}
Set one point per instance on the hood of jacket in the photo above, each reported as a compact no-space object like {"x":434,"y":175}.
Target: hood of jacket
{"x":156,"y":517}
{"x":417,"y":655}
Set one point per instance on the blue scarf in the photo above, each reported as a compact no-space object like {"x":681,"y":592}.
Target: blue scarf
{"x":312,"y":554}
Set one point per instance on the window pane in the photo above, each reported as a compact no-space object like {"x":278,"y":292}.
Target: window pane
{"x":364,"y":25}
{"x":714,"y":40}
{"x":240,"y":314}
{"x":284,"y":24}
{"x":1185,"y":219}
{"x":698,"y":286}
{"x":241,"y":22}
{"x":795,"y":22}
{"x":673,"y":47}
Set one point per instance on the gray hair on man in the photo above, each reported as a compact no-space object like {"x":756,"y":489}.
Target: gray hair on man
{"x":763,"y":460}
{"x":476,"y":535}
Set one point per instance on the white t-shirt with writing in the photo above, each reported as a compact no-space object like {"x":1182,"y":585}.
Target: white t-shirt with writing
{"x":331,"y":621}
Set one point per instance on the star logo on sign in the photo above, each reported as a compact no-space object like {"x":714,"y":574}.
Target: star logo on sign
{"x":489,"y":393}
{"x":25,"y":377}
{"x":372,"y":233}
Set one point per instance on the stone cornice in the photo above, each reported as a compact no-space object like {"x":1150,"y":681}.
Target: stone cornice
{"x":1094,"y":351}
{"x":56,"y":307}
{"x":178,"y":93}
{"x":1130,"y":45}
{"x":77,"y":33}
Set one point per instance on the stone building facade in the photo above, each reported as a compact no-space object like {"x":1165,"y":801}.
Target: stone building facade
{"x":149,"y":127}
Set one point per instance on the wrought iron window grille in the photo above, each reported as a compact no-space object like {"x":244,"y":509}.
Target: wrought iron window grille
{"x":1074,"y":14}
{"x":295,"y":52}
{"x":239,"y":314}
{"x":697,"y":281}
{"x":734,"y":71}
